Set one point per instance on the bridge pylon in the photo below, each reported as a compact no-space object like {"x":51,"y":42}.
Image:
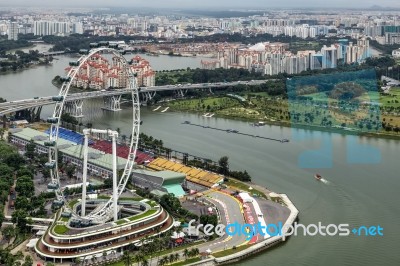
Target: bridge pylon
{"x":181,"y":93}
{"x":112,"y":103}
{"x":148,"y":96}
{"x":74,"y":108}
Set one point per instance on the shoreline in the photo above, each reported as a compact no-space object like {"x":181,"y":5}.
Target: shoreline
{"x":31,"y":66}
{"x":303,"y":126}
{"x":256,"y":248}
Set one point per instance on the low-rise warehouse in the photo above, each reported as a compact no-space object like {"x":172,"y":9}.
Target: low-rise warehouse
{"x":165,"y":181}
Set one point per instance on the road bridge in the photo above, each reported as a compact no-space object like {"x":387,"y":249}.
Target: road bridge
{"x":112,"y":98}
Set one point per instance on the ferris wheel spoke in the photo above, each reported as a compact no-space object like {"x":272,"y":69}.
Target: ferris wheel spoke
{"x":104,"y":212}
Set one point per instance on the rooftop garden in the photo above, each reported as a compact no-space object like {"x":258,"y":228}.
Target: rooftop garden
{"x":60,"y":229}
{"x":72,"y":203}
{"x":142,"y":215}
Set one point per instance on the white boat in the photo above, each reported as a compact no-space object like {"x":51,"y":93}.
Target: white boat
{"x":258,"y":124}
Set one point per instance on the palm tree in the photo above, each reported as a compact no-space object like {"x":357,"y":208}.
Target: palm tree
{"x":195,"y":252}
{"x":145,"y":262}
{"x":177,"y":256}
{"x":8,"y":232}
{"x":2,"y":130}
{"x":139,"y":258}
{"x":163,"y":261}
{"x":157,"y":245}
{"x":171,"y":258}
{"x":127,"y":259}
{"x":186,"y":253}
{"x":77,"y":260}
{"x":151,"y":248}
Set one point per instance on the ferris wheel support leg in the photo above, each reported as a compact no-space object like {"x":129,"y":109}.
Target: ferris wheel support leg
{"x":84,"y":174}
{"x":115,"y":185}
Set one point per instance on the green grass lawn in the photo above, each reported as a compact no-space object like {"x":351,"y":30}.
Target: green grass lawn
{"x":319,"y":96}
{"x":60,"y":229}
{"x":131,"y":198}
{"x":211,"y":104}
{"x":72,"y":203}
{"x":64,"y":219}
{"x":229,"y":251}
{"x":391,"y":98}
{"x":165,"y":252}
{"x":152,"y":203}
{"x":191,"y":245}
{"x":119,"y":222}
{"x":264,"y":94}
{"x":142,"y":215}
{"x":243,"y":186}
{"x":185,"y":262}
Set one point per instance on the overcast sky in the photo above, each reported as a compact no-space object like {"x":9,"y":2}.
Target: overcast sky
{"x":205,"y":4}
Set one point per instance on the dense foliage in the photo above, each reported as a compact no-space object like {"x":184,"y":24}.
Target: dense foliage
{"x":20,"y":60}
{"x":75,"y":42}
{"x":385,"y":48}
{"x":172,"y":204}
{"x":209,"y":219}
{"x":67,"y":118}
{"x":6,"y":45}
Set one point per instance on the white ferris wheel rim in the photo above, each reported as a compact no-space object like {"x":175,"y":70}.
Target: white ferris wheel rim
{"x":58,"y":111}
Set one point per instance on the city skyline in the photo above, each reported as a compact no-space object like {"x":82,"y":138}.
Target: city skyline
{"x":222,"y":4}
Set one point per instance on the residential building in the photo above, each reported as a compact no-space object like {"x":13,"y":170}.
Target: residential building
{"x":13,"y":31}
{"x":396,"y":53}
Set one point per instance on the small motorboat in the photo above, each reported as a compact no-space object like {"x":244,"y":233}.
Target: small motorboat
{"x":318,"y":177}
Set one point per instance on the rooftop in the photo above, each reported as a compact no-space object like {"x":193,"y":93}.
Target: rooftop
{"x":70,"y":148}
{"x":169,"y":177}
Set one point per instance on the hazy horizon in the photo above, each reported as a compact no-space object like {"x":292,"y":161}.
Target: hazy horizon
{"x":205,"y":4}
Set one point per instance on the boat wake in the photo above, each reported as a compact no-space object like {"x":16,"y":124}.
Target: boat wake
{"x":323,"y":180}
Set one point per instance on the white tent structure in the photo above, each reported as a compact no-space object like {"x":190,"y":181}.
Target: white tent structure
{"x":246,"y":197}
{"x":176,"y":235}
{"x":32,"y":242}
{"x":177,"y":224}
{"x":40,"y":233}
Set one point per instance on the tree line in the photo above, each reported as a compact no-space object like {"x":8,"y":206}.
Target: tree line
{"x":74,"y":42}
{"x":20,"y":60}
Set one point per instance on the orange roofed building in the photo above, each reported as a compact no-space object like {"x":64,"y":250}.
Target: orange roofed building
{"x":97,"y":73}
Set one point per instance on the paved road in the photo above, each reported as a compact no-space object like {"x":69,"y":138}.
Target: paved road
{"x":231,"y":212}
{"x":13,"y":106}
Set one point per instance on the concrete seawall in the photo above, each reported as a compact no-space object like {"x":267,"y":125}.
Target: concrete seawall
{"x":256,"y":248}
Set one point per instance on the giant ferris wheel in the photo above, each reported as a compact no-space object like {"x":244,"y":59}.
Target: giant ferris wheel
{"x":105,"y":211}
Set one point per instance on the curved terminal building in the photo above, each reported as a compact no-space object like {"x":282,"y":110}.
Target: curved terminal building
{"x":68,"y":238}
